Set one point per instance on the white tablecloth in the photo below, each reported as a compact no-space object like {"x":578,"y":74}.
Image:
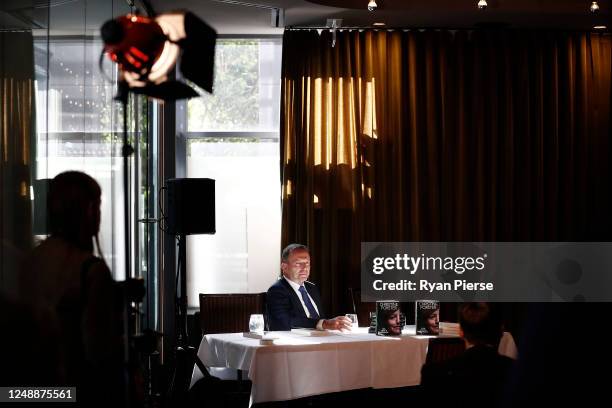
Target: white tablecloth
{"x":298,"y":366}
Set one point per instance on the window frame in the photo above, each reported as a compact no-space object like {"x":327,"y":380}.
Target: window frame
{"x":183,"y":136}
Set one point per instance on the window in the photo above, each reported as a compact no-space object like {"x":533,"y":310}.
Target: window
{"x":77,"y":123}
{"x":79,"y":127}
{"x":232,"y":137}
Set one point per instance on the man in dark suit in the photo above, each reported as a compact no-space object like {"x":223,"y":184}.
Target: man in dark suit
{"x":477,"y":377}
{"x":294,"y":302}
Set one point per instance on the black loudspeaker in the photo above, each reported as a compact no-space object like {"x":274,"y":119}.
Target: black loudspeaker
{"x":191,"y":206}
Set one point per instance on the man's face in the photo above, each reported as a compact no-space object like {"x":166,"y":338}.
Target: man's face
{"x":297,"y":266}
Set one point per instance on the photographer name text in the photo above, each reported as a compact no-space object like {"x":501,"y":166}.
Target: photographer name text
{"x":424,"y":285}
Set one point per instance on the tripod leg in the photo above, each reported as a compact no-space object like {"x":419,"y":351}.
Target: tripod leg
{"x":199,"y":363}
{"x":186,"y":357}
{"x":179,"y":386}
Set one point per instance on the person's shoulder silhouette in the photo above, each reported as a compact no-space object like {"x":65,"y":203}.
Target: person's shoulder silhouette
{"x":64,"y":281}
{"x":478,"y":376}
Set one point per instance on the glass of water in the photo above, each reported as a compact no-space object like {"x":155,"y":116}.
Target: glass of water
{"x":256,"y":323}
{"x":354,"y":322}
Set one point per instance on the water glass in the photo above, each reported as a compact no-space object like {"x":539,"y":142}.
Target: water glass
{"x":353,"y":318}
{"x":256,"y":323}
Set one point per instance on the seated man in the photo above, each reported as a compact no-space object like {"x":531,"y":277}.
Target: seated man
{"x":478,"y":376}
{"x":293,"y":302}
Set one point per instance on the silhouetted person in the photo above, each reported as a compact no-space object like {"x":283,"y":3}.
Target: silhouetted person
{"x":25,"y":360}
{"x":74,"y":291}
{"x":477,"y":377}
{"x":564,"y":354}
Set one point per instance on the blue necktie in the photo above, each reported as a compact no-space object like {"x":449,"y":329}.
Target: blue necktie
{"x":311,"y":310}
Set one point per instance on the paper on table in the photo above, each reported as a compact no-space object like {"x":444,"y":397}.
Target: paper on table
{"x":310,"y":332}
{"x":261,"y":336}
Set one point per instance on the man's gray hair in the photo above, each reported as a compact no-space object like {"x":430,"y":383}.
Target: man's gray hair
{"x":289,"y":249}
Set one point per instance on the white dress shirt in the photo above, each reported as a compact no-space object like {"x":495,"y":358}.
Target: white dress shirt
{"x":296,"y":289}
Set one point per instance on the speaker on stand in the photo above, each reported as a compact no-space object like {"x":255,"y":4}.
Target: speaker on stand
{"x":191,"y":206}
{"x":191,"y":211}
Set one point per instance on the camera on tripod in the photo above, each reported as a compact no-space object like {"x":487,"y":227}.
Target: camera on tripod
{"x":132,"y":290}
{"x":142,"y":346}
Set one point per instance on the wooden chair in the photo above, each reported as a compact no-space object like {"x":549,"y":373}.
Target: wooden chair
{"x":229,"y":313}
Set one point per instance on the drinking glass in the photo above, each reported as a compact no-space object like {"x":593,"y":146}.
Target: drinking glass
{"x":353,"y":318}
{"x":256,"y":323}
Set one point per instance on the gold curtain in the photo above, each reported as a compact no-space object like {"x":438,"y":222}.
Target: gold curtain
{"x":439,"y":136}
{"x":17,"y":127}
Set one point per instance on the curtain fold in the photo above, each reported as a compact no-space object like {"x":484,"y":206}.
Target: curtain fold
{"x":441,"y":135}
{"x":16,"y":136}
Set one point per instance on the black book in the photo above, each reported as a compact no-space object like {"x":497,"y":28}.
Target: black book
{"x":388,"y":318}
{"x":427,"y":317}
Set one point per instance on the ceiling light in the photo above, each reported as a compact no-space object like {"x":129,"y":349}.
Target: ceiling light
{"x":378,"y":24}
{"x":482,"y":4}
{"x":594,"y":7}
{"x":372,"y":5}
{"x":333,"y":24}
{"x":600,"y":27}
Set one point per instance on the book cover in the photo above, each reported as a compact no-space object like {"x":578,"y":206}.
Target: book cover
{"x":427,"y":317}
{"x":388,"y":318}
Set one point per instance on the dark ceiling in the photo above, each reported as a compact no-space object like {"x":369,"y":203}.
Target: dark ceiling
{"x":574,"y":14}
{"x":254,"y":16}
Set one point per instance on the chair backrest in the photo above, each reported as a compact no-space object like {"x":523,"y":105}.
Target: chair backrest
{"x":444,"y":348}
{"x":229,"y":313}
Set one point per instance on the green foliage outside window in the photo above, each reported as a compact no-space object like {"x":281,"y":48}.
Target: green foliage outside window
{"x":234,"y":103}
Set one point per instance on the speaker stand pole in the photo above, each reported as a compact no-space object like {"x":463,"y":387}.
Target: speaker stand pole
{"x":182,"y":290}
{"x":185,"y":355}
{"x":126,"y":152}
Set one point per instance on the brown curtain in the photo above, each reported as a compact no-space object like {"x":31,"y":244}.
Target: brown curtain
{"x":442,"y":136}
{"x":17,"y":127}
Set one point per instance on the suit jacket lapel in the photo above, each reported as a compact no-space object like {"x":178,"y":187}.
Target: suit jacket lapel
{"x":297,"y":302}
